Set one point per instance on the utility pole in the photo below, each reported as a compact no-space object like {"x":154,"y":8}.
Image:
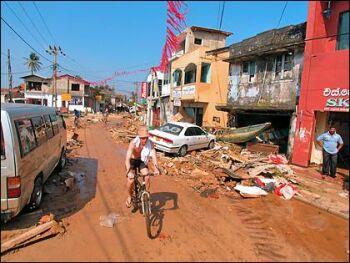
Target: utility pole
{"x":55,"y":52}
{"x":9,"y":74}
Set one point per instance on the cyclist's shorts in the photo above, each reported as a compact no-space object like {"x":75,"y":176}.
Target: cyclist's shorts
{"x":137,"y":163}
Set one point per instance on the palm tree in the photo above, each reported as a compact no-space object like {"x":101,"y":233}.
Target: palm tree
{"x":33,"y":62}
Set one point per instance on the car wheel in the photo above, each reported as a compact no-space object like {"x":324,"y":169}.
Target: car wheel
{"x":182,"y":151}
{"x":211,"y":144}
{"x":63,"y":160}
{"x":37,"y":195}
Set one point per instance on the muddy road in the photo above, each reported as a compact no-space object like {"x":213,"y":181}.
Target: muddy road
{"x":187,"y":227}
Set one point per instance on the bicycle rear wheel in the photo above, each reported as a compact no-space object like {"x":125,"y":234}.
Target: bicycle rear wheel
{"x":147,"y":214}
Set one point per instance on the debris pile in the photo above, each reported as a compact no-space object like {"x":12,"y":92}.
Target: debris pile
{"x":46,"y":227}
{"x":127,"y":129}
{"x":229,"y":167}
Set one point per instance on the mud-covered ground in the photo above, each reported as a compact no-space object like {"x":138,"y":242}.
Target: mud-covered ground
{"x":187,"y":226}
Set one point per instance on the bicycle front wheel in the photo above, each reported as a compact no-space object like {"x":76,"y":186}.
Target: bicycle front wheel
{"x":147,"y":214}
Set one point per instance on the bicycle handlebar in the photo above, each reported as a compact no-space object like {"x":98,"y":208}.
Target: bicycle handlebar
{"x":141,"y":175}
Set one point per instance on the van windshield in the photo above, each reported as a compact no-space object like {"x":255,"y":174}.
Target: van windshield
{"x":2,"y":145}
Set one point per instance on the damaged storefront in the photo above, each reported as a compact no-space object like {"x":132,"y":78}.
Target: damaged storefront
{"x":324,"y":93}
{"x":264,"y":81}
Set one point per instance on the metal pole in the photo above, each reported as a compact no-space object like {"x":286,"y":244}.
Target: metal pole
{"x":54,"y":76}
{"x":9,"y":74}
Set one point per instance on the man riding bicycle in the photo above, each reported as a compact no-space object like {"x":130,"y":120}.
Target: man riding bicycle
{"x":137,"y":156}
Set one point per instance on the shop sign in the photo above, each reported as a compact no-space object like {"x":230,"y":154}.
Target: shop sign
{"x":177,"y":102}
{"x":337,"y":99}
{"x":188,"y":90}
{"x":144,"y":90}
{"x":66,"y":97}
{"x":177,"y":93}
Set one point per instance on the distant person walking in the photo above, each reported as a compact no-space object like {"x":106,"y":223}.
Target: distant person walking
{"x":331,"y":142}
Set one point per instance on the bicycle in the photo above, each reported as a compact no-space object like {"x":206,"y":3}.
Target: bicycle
{"x":142,"y":196}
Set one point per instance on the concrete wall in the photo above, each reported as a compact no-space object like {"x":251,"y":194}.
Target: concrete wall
{"x":209,"y":40}
{"x":213,"y":93}
{"x":265,"y":90}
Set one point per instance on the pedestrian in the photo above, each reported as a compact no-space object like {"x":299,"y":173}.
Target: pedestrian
{"x":331,"y":142}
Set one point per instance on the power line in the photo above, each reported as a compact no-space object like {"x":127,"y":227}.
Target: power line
{"x":37,"y":30}
{"x":23,"y":72}
{"x":222,"y":13}
{"x":284,"y":8}
{"x":24,"y":40}
{"x":26,"y":28}
{"x":42,"y":19}
{"x":217,"y":20}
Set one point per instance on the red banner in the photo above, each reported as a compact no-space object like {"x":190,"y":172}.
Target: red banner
{"x":143,"y":89}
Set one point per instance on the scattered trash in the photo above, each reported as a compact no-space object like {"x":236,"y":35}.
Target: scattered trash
{"x":249,"y":191}
{"x":343,"y":194}
{"x":286,"y":190}
{"x":110,"y":220}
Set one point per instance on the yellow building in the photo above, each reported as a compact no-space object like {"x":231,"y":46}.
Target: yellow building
{"x":199,"y":76}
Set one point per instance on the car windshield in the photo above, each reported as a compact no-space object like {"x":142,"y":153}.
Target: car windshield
{"x":171,"y":128}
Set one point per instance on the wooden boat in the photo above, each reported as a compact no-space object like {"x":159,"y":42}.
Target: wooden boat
{"x":243,"y":134}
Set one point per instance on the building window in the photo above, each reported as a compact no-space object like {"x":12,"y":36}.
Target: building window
{"x":245,"y":67}
{"x":190,"y":73}
{"x":205,"y":73}
{"x":177,"y":75}
{"x":34,"y":85}
{"x":249,"y":68}
{"x":283,"y":64}
{"x":75,"y":87}
{"x":252,"y":69}
{"x":198,"y":41}
{"x":343,"y":31}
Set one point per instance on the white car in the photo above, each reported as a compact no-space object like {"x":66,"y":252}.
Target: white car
{"x":180,"y":137}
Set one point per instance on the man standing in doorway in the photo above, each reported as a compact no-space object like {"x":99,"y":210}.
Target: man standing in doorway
{"x":331,"y":142}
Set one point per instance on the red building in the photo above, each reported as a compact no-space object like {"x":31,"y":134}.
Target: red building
{"x":324,"y":93}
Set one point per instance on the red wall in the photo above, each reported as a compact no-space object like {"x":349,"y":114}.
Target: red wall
{"x":324,"y":67}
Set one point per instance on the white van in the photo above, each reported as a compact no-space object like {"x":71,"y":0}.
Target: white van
{"x":33,"y":143}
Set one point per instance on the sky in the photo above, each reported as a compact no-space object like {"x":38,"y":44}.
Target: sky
{"x":100,"y":38}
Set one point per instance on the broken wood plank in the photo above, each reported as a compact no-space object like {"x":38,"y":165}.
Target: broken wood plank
{"x":26,"y":236}
{"x":263,"y":148}
{"x":260,"y":169}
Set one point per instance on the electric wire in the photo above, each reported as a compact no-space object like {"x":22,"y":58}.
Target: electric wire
{"x":26,"y":28}
{"x":222,"y":13}
{"x":43,"y":20}
{"x":24,"y":40}
{"x":32,"y":22}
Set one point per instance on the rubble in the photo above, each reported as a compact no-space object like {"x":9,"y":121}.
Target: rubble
{"x":126,"y":130}
{"x":230,"y":167}
{"x":223,"y":168}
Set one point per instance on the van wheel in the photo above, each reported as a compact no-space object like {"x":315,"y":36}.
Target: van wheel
{"x":37,"y":195}
{"x":63,"y":160}
{"x":182,"y":151}
{"x":211,"y":144}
